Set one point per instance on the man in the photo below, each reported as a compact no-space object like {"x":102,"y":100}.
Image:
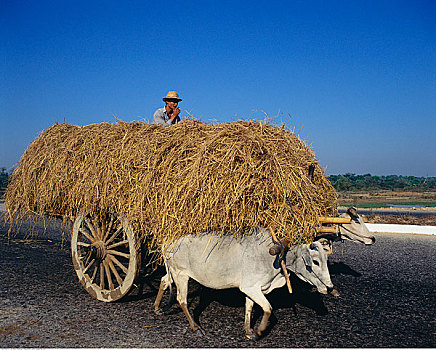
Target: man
{"x":170,"y":113}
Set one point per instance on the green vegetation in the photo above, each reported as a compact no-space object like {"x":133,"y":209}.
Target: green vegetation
{"x":3,"y":180}
{"x":367,"y":182}
{"x":404,"y":204}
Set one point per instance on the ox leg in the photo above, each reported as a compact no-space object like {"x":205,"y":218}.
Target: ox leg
{"x":249,"y":332}
{"x":256,"y":295}
{"x":181,"y":282}
{"x":164,"y":284}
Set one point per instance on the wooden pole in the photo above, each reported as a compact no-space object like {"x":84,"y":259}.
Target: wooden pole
{"x":326,"y":230}
{"x":330,"y":220}
{"x":285,"y":271}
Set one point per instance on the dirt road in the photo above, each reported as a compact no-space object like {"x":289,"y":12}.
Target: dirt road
{"x":387,"y":300}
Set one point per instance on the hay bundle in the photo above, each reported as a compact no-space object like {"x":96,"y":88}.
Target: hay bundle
{"x":168,"y":182}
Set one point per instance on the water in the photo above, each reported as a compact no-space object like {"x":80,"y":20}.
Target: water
{"x":406,"y":206}
{"x":386,"y":211}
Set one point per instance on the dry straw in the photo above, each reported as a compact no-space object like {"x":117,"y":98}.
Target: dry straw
{"x":171,"y":181}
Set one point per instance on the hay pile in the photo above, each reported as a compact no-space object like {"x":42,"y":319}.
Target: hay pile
{"x":168,"y":182}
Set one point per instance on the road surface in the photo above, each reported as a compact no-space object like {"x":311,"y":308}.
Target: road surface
{"x":387,"y":300}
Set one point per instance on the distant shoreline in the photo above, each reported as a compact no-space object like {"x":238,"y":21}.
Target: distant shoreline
{"x":397,"y":210}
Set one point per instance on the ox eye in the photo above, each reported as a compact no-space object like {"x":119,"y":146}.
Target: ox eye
{"x":316,"y":262}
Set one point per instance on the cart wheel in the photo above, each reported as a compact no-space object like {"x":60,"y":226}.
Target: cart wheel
{"x":105,"y":256}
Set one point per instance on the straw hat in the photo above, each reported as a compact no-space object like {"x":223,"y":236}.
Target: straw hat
{"x":172,"y":95}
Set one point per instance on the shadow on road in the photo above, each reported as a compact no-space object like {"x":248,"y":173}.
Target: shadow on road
{"x":340,"y":268}
{"x":303,"y":294}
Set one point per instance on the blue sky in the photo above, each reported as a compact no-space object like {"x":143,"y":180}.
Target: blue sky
{"x":357,"y":77}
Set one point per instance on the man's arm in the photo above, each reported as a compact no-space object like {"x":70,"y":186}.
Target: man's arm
{"x":158,"y":118}
{"x":174,"y":118}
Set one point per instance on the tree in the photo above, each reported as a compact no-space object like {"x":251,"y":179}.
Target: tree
{"x":4,"y":176}
{"x":367,"y":182}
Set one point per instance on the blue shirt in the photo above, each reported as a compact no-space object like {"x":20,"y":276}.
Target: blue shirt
{"x":161,"y":117}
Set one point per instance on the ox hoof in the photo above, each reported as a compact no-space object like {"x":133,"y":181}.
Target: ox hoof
{"x":252,"y":335}
{"x":200,"y":332}
{"x":335,"y":293}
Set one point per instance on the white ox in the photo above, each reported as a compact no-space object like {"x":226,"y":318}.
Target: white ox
{"x":356,"y":231}
{"x":222,"y":261}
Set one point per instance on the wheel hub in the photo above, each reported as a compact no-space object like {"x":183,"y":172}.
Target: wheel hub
{"x":98,"y":250}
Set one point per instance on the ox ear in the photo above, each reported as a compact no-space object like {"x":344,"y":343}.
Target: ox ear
{"x":305,"y":254}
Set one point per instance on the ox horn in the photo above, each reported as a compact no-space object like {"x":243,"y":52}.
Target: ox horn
{"x":352,"y":212}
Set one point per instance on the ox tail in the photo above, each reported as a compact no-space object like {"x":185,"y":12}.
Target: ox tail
{"x":170,"y":282}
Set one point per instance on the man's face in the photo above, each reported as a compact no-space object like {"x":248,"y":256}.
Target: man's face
{"x":172,"y":104}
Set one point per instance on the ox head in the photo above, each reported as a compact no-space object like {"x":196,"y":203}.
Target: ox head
{"x":355,"y":231}
{"x":309,"y":263}
{"x":326,"y":240}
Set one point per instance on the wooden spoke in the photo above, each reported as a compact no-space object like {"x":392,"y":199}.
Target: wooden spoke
{"x":108,"y":275}
{"x":116,"y":233}
{"x":89,"y":265}
{"x":97,"y":228}
{"x":116,"y":252}
{"x":101,"y":276}
{"x":115,"y":260}
{"x":87,"y":234}
{"x":125,"y":243}
{"x":115,"y":272}
{"x":94,"y":273}
{"x":108,"y":229}
{"x":91,"y":228}
{"x":83,"y":244}
{"x":88,"y":256}
{"x":103,"y":228}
